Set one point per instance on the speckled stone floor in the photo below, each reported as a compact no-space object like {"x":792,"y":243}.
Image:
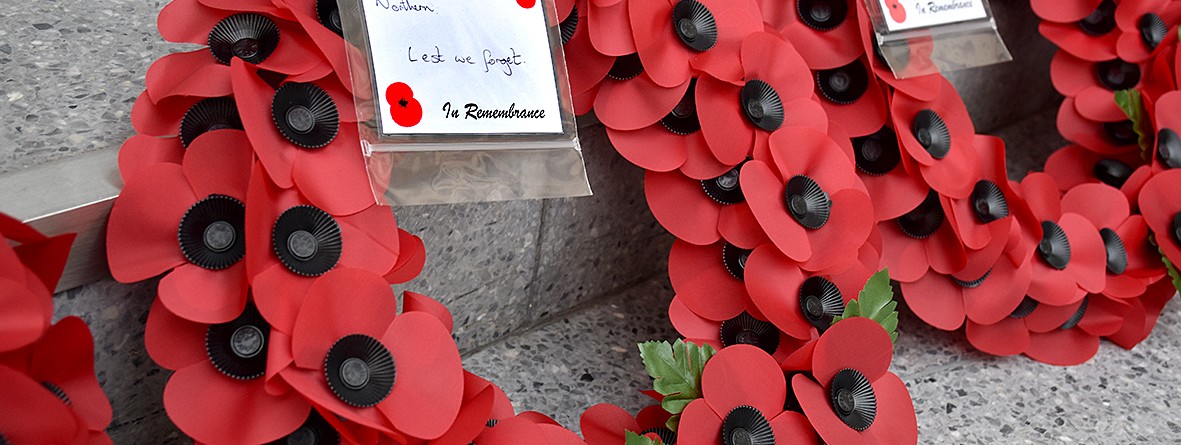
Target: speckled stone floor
{"x":589,"y":356}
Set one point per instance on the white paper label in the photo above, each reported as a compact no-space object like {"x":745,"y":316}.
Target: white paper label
{"x":469,"y":66}
{"x":910,"y":14}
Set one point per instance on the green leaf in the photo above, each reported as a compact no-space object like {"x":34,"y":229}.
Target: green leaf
{"x":875,"y":302}
{"x":1133,"y":106}
{"x":676,"y":372}
{"x":636,"y":439}
{"x":1172,"y":272}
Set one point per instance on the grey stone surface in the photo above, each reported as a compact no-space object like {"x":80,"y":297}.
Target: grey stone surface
{"x":69,"y":72}
{"x":1029,"y":141}
{"x":961,"y":396}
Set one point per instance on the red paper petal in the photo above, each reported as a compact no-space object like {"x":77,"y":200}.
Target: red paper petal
{"x":814,"y":401}
{"x":205,"y":296}
{"x":1007,"y":337}
{"x":369,"y":240}
{"x":1100,"y":204}
{"x":999,"y":294}
{"x":1063,"y":347}
{"x":682,"y":207}
{"x":253,"y":97}
{"x":140,"y":152}
{"x":429,"y":387}
{"x":1071,"y":74}
{"x":792,"y":427}
{"x":291,"y":56}
{"x":936,"y":300}
{"x":727,"y":131}
{"x":604,"y":424}
{"x":279,"y":294}
{"x":847,"y":229}
{"x":187,"y":21}
{"x":895,"y":421}
{"x":65,"y":357}
{"x":1159,"y":202}
{"x":1041,"y":194}
{"x":311,"y":384}
{"x":415,"y":302}
{"x":173,"y":342}
{"x":1063,"y":12}
{"x":345,"y":192}
{"x":411,"y":258}
{"x":32,"y":414}
{"x":330,"y":44}
{"x":470,"y":421}
{"x":664,"y":57}
{"x":773,"y":281}
{"x":323,"y":319}
{"x":635,"y":103}
{"x":194,"y":73}
{"x":864,"y":116}
{"x":141,"y":232}
{"x":786,"y":72}
{"x":834,"y":351}
{"x":1075,"y":128}
{"x":213,"y":408}
{"x":278,"y":358}
{"x":651,"y":148}
{"x":1104,"y":316}
{"x":610,"y":29}
{"x":1048,"y":318}
{"x":1088,"y":258}
{"x":219,"y":162}
{"x":1070,"y":38}
{"x":1053,"y":287}
{"x":764,"y":193}
{"x":905,"y":257}
{"x":702,"y":282}
{"x":1098,"y":104}
{"x":739,"y":227}
{"x":585,"y":65}
{"x":689,"y":324}
{"x":162,"y":119}
{"x":743,"y":375}
{"x":25,"y":316}
{"x":653,"y":416}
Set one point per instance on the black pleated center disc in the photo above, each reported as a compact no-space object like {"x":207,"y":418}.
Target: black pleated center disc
{"x":843,"y":85}
{"x":1152,"y":30}
{"x":4,"y":440}
{"x":307,"y":240}
{"x":974,"y":283}
{"x":695,"y":25}
{"x":807,"y":202}
{"x":214,"y":113}
{"x":666,"y":435}
{"x":238,"y":348}
{"x":745,"y":425}
{"x":932,"y":133}
{"x":1101,"y":21}
{"x":250,"y":37}
{"x":329,"y":15}
{"x":822,"y":15}
{"x":569,"y":25}
{"x":1113,"y":172}
{"x":924,"y":220}
{"x":1027,"y":306}
{"x":734,"y":258}
{"x":314,"y":431}
{"x":1117,"y":75}
{"x":682,"y":119}
{"x":626,"y":67}
{"x":212,"y":232}
{"x":820,"y":301}
{"x":725,"y":189}
{"x":1121,"y":133}
{"x":57,"y":392}
{"x":305,"y":114}
{"x":1054,"y":247}
{"x":877,"y":154}
{"x":747,"y":330}
{"x":1078,"y":315}
{"x":1177,"y":227}
{"x":360,"y":370}
{"x":1168,"y":147}
{"x":1117,"y":253}
{"x":762,"y":105}
{"x":988,"y":201}
{"x":853,"y":399}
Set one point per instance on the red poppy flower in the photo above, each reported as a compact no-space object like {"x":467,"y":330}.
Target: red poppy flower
{"x":702,"y":211}
{"x":807,"y":198}
{"x":851,"y":96}
{"x":746,"y":328}
{"x":1057,"y":335}
{"x":922,"y":239}
{"x":321,"y":21}
{"x":1161,"y":206}
{"x":483,"y":404}
{"x":607,"y":424}
{"x":290,"y":242}
{"x":254,"y":31}
{"x":361,"y":362}
{"x":1108,"y":138}
{"x":1143,"y":26}
{"x":1132,"y":262}
{"x":1070,"y":256}
{"x":766,"y":88}
{"x":920,"y":78}
{"x":699,"y":29}
{"x":709,"y":278}
{"x":528,"y":428}
{"x":1093,"y":84}
{"x":1142,"y":314}
{"x":302,"y":130}
{"x":628,"y":84}
{"x":892,"y":190}
{"x":937,"y":136}
{"x":31,"y":265}
{"x":586,"y":66}
{"x":982,"y":218}
{"x":800,"y":303}
{"x":201,"y":201}
{"x":33,"y":414}
{"x":1091,"y":36}
{"x":610,"y":27}
{"x":1167,"y":153}
{"x":675,"y":142}
{"x":63,"y":362}
{"x":743,"y":398}
{"x":1073,"y":165}
{"x":216,"y":394}
{"x":825,"y":32}
{"x":140,"y":151}
{"x":852,"y":398}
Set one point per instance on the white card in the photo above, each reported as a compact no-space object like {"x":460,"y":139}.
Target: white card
{"x":910,"y":14}
{"x":472,"y":67}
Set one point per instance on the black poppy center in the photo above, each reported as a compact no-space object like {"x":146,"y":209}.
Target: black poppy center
{"x":1077,"y":316}
{"x":932,"y":133}
{"x":695,"y":25}
{"x":328,"y":14}
{"x":988,"y":201}
{"x":924,"y":220}
{"x":667,"y":436}
{"x":208,"y":232}
{"x":683,"y":117}
{"x":302,"y":244}
{"x":745,"y":425}
{"x":1152,"y":30}
{"x":1117,"y":74}
{"x":853,"y":399}
{"x":877,"y":154}
{"x":843,"y":85}
{"x":360,"y":370}
{"x":1054,"y":248}
{"x":807,"y":202}
{"x":734,"y":259}
{"x":1112,"y":172}
{"x":1101,"y":21}
{"x":1177,"y":228}
{"x":725,"y":189}
{"x":1027,"y":306}
{"x":626,"y":67}
{"x":569,"y":25}
{"x":1117,"y":252}
{"x":762,"y":105}
{"x":300,"y":119}
{"x":822,"y":15}
{"x":238,"y":348}
{"x":214,"y":113}
{"x":1168,"y":147}
{"x":250,"y":37}
{"x":305,"y":114}
{"x":747,"y":330}
{"x":974,"y":283}
{"x":307,"y":240}
{"x":820,"y":301}
{"x":57,"y":392}
{"x":1121,"y":133}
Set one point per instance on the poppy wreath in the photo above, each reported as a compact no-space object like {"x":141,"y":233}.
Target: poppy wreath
{"x":802,"y":180}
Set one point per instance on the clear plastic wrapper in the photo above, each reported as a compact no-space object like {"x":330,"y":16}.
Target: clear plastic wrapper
{"x":919,"y":37}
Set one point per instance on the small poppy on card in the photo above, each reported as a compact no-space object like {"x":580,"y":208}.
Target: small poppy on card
{"x":404,"y":108}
